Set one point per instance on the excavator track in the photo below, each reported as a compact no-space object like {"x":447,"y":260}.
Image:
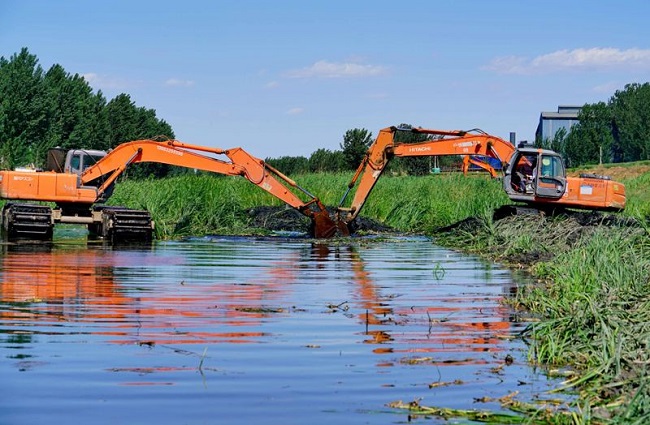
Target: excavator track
{"x":121,"y":224}
{"x":27,"y":221}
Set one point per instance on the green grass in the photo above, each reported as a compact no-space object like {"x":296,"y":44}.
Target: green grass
{"x":638,"y":196}
{"x":415,"y":204}
{"x":422,"y":204}
{"x":192,"y":205}
{"x":205,"y":204}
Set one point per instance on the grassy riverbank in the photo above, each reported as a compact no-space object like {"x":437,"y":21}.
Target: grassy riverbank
{"x":594,"y":294}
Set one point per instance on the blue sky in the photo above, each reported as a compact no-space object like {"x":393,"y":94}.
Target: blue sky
{"x":289,"y":77}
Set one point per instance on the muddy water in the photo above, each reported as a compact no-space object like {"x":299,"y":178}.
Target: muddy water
{"x":241,"y":330}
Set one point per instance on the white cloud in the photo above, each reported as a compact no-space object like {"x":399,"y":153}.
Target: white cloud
{"x":325,"y":69}
{"x":295,"y":111}
{"x":597,"y":58}
{"x":272,"y":85}
{"x":104,"y":82}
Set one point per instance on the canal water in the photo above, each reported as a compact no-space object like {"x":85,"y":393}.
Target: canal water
{"x":249,"y":330}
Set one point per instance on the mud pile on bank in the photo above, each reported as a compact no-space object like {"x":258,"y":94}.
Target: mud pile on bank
{"x":284,"y":219}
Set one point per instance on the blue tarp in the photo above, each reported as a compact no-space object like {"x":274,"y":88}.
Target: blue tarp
{"x":494,"y":162}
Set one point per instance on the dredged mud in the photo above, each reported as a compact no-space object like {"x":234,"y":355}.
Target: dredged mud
{"x":283,"y":219}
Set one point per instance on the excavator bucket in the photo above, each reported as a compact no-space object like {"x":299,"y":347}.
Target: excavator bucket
{"x":324,"y":227}
{"x":343,"y":228}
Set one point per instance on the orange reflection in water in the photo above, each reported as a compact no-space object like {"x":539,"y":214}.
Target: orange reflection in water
{"x":79,"y":284}
{"x":455,"y":324}
{"x":59,"y":278}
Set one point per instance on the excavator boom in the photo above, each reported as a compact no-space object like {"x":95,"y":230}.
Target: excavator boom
{"x":448,"y":143}
{"x":241,"y":163}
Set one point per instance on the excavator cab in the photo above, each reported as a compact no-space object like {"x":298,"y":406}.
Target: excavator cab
{"x":78,"y":160}
{"x":72,"y":161}
{"x":535,"y":173}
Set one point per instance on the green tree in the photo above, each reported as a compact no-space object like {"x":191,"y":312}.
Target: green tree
{"x":557,"y":144}
{"x":41,"y":110}
{"x":23,"y":108}
{"x":120,"y":113}
{"x":290,"y":165}
{"x":128,"y":122}
{"x":417,"y":165}
{"x":325,"y":160}
{"x":75,"y":114}
{"x":355,"y":146}
{"x":590,"y":140}
{"x":631,"y":122}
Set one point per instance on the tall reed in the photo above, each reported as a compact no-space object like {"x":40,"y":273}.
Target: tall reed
{"x":638,"y":196}
{"x":422,"y":204}
{"x":193,"y":205}
{"x":202,"y":204}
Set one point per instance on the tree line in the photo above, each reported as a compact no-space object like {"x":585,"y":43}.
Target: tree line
{"x":608,"y":132}
{"x":42,"y":109}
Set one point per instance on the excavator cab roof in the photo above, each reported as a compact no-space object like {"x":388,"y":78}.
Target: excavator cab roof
{"x":535,"y":151}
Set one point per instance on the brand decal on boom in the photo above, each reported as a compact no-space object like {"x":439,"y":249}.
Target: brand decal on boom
{"x":168,"y":150}
{"x":420,"y":149}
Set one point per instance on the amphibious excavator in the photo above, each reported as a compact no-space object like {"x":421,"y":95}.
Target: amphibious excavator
{"x":78,"y":182}
{"x":536,"y":177}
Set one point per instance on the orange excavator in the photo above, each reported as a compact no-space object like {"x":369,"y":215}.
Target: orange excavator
{"x":78,"y":182}
{"x":536,"y":177}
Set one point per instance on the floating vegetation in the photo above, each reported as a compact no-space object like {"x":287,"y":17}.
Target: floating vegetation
{"x":522,"y":413}
{"x":445,"y":384}
{"x":336,"y":307}
{"x":260,"y":310}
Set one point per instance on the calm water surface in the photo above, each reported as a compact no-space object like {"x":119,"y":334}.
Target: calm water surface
{"x":243,"y":330}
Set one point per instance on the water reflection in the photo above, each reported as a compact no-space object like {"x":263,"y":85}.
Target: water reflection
{"x":164,"y":298}
{"x":45,"y":286}
{"x":456,"y":321}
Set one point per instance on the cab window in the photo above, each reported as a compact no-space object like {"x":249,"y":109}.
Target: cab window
{"x":552,"y":166}
{"x":75,"y":162}
{"x":90,"y":160}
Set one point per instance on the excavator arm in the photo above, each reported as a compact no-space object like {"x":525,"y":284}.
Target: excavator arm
{"x":240,"y":163}
{"x":384,"y":148}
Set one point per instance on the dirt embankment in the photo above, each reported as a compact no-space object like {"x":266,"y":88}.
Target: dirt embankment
{"x":616,"y":172}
